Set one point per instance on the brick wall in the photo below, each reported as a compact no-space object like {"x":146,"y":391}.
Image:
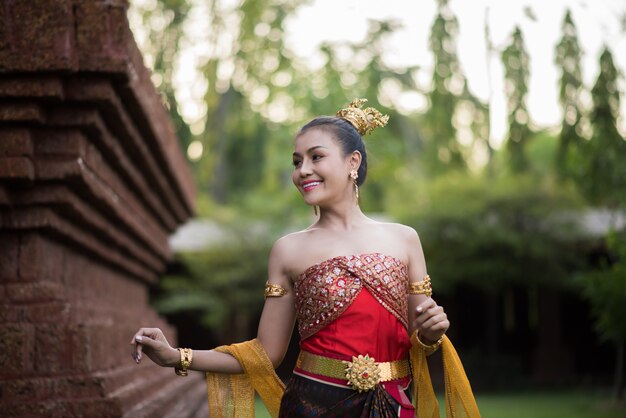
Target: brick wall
{"x":92,"y":182}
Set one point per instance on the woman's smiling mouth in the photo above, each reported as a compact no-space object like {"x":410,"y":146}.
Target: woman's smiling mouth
{"x":307,"y":186}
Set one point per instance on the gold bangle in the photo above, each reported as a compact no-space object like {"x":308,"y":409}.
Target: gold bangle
{"x":274,"y":290}
{"x":429,"y":348}
{"x":421,"y":288}
{"x":186,"y":356}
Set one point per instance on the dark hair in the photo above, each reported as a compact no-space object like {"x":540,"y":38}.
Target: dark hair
{"x":347,"y":136}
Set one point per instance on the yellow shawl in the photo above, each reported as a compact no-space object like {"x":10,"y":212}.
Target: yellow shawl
{"x":233,"y":395}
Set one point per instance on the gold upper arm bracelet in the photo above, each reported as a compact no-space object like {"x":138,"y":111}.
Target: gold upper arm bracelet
{"x":274,"y":290}
{"x":421,"y":288}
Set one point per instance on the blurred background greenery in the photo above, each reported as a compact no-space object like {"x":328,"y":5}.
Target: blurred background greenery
{"x":525,"y":239}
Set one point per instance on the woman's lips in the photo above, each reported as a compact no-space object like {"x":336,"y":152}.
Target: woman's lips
{"x":308,"y":186}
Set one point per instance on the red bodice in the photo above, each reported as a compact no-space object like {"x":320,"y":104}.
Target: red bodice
{"x":352,"y":305}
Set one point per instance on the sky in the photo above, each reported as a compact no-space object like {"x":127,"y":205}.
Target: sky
{"x":598,"y":23}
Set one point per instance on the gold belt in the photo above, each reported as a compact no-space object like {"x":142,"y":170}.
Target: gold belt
{"x":362,"y":373}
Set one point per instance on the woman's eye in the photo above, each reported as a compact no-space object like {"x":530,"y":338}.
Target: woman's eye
{"x":316,"y":157}
{"x":296,"y":163}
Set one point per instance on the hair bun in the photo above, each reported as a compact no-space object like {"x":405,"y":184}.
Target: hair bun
{"x":364,"y":120}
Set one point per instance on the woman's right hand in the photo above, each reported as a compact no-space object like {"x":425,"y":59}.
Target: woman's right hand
{"x":153,"y":343}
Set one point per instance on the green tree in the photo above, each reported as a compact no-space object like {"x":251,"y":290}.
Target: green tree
{"x":604,"y":179}
{"x":516,"y":73}
{"x":443,"y":149}
{"x":604,"y":184}
{"x":222,"y":285}
{"x":568,"y":56}
{"x":162,"y":23}
{"x":498,"y":234}
{"x":606,"y":290}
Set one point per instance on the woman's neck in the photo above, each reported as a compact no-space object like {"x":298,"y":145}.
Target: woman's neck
{"x":341,"y":217}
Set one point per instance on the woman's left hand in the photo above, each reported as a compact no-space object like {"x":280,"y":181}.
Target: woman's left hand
{"x":431,"y":321}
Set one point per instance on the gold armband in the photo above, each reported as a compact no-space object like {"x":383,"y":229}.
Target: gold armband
{"x":421,"y":288}
{"x":186,"y":355}
{"x":274,"y":290}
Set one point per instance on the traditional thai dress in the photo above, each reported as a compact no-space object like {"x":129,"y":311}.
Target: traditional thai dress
{"x":349,"y":306}
{"x":346,"y":307}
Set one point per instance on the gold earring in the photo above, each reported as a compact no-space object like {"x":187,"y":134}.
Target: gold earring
{"x":354,"y":175}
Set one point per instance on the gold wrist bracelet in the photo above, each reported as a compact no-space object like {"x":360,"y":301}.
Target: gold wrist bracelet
{"x":429,"y":348}
{"x":186,"y":356}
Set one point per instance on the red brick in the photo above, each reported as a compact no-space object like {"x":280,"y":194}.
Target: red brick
{"x":21,"y":112}
{"x":40,"y":258}
{"x":5,"y":200}
{"x":45,"y":31}
{"x":16,"y":168}
{"x":53,"y":312}
{"x":55,"y":349}
{"x":12,"y":313}
{"x":41,"y":291}
{"x":42,"y":87}
{"x":46,"y":87}
{"x":9,"y":246}
{"x":15,"y":142}
{"x":15,"y":349}
{"x":30,"y":389}
{"x":59,"y":142}
{"x":35,"y":313}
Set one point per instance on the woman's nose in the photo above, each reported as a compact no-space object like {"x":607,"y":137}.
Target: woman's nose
{"x":305,"y":168}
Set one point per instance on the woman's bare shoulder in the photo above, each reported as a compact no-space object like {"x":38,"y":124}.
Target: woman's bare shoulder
{"x":287,"y":248}
{"x":398,"y":229}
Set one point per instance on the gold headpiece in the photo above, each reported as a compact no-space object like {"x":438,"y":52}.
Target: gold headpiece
{"x":364,"y":120}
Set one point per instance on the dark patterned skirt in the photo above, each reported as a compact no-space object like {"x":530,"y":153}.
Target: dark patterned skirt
{"x":308,"y":398}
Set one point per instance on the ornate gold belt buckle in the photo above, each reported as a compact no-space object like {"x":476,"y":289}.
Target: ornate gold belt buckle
{"x":362,"y":373}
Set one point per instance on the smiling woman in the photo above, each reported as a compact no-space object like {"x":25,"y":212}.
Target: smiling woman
{"x":359,"y":291}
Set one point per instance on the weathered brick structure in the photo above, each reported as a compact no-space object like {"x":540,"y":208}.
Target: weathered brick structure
{"x":92,"y":182}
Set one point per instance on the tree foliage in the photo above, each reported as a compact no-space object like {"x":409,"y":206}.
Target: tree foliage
{"x":498,"y":232}
{"x":604,"y":178}
{"x":510,"y":225}
{"x":568,"y":56}
{"x":516,"y":72}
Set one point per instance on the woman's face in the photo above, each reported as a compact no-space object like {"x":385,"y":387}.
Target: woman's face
{"x":321,"y":171}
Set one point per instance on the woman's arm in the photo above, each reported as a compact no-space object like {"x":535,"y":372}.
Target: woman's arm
{"x":425,"y":315}
{"x":274,"y":333}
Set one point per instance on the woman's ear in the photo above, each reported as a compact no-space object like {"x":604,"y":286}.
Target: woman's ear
{"x":355,"y":160}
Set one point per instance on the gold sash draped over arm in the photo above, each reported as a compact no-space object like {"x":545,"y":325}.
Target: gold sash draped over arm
{"x":460,"y":401}
{"x":232,"y":395}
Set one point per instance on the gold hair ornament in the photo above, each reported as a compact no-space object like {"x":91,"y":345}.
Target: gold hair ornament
{"x":364,"y":120}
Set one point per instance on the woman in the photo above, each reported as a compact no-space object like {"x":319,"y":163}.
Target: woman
{"x":359,"y":290}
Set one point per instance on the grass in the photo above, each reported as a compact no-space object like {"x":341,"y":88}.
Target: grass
{"x":570,"y":404}
{"x":566,"y":404}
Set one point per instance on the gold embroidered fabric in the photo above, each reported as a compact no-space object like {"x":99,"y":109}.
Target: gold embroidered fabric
{"x":232,"y":395}
{"x":325,"y":290}
{"x":460,"y":401}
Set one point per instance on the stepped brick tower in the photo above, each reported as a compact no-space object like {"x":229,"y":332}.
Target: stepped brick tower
{"x":92,"y":183}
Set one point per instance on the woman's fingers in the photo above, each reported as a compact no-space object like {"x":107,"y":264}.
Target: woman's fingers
{"x":431,"y":318}
{"x":427,"y":304}
{"x":147,"y":337}
{"x":434,"y":322}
